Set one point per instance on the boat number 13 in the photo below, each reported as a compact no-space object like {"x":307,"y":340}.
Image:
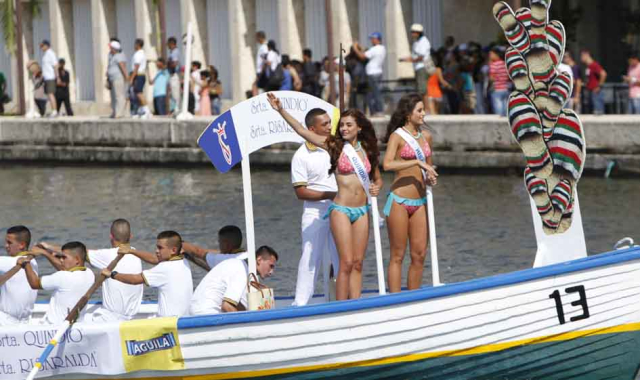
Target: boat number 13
{"x":582,"y":301}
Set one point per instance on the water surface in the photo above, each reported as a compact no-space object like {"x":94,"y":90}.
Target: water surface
{"x":483,"y":222}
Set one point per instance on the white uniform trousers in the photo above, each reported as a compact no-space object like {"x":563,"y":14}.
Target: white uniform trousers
{"x":103,"y":315}
{"x":316,"y":240}
{"x":8,"y":320}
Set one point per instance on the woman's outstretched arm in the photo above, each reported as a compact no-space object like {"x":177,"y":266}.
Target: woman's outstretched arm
{"x":306,"y":134}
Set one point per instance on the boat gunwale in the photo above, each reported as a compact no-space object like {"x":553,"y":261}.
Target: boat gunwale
{"x":422,"y":294}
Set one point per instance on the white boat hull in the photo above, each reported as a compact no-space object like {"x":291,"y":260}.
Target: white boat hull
{"x":506,"y":326}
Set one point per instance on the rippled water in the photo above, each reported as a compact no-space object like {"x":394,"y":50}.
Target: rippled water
{"x":483,"y":222}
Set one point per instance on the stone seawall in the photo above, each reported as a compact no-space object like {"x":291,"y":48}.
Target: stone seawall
{"x":460,"y":142}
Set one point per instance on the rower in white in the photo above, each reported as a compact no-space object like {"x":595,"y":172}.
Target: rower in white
{"x":120,"y":301}
{"x":314,"y":185}
{"x":16,"y":296}
{"x":69,"y":283}
{"x":171,"y":276}
{"x":224,"y":288}
{"x":229,"y":242}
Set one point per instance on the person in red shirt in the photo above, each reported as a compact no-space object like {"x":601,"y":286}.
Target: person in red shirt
{"x":596,"y":76}
{"x":499,"y":82}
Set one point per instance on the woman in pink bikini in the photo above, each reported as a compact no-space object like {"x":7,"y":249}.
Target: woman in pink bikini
{"x":406,"y":207}
{"x":348,"y":214}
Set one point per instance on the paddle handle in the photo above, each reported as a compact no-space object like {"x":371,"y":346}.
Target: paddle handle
{"x":433,"y":246}
{"x":75,"y":312}
{"x":7,"y":276}
{"x":197,"y":261}
{"x":378,"y":244}
{"x":47,"y":351}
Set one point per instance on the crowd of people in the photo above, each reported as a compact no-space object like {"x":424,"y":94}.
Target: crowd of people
{"x":466,"y":78}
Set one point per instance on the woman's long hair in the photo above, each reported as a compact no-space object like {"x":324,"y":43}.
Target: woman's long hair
{"x":366,"y":136}
{"x":399,"y":118}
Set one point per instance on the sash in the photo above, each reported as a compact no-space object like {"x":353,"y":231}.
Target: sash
{"x":358,"y":166}
{"x":413,"y":143}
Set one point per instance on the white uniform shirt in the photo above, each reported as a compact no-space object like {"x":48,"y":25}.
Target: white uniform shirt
{"x":274,"y":59}
{"x":260,"y":57}
{"x":139,"y":59}
{"x":227,"y":281}
{"x":310,"y":167}
{"x":422,"y":48}
{"x":175,"y":286}
{"x":49,"y":60}
{"x":16,"y":296}
{"x":121,"y":298}
{"x":376,"y":55}
{"x":214,"y":259}
{"x":68,"y":287}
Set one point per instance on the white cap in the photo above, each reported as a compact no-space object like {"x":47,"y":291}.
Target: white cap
{"x":114,"y":45}
{"x":417,"y":28}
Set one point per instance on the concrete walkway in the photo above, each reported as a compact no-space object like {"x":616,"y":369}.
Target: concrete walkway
{"x":460,"y":142}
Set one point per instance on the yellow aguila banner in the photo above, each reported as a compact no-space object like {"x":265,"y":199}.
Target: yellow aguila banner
{"x":151,"y":344}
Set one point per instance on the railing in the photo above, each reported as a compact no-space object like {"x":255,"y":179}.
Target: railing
{"x":616,"y":95}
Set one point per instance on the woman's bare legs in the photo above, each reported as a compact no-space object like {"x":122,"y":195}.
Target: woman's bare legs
{"x":398,"y":229}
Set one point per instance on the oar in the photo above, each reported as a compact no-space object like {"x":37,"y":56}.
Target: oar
{"x":435,"y":270}
{"x":197,"y":261}
{"x":10,"y":273}
{"x":378,"y":244}
{"x":71,"y":318}
{"x":7,"y":276}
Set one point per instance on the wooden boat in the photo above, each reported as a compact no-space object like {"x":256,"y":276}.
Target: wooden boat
{"x":579,"y":319}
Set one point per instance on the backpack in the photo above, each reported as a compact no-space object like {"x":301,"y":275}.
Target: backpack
{"x":275,"y":78}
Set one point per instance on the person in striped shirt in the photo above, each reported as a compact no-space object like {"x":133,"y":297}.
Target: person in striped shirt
{"x":499,"y":82}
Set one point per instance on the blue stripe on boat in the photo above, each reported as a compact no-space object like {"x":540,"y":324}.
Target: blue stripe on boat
{"x":595,"y":261}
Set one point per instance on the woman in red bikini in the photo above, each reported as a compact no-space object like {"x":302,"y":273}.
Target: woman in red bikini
{"x":348,"y":214}
{"x":406,"y":207}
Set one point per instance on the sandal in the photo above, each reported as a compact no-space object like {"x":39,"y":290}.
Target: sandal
{"x":514,"y":31}
{"x":559,"y":92}
{"x":556,"y":37}
{"x":538,"y":190}
{"x":567,"y":146}
{"x":539,"y":14}
{"x":518,"y":71}
{"x":527,"y":129}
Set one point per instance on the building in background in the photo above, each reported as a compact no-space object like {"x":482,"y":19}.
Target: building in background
{"x":224,"y":31}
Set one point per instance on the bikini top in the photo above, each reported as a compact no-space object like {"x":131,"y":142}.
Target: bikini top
{"x":345,"y":167}
{"x":407,"y":152}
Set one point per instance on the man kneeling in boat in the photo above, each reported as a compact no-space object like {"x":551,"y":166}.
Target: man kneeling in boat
{"x":229,"y":241}
{"x":69,"y":283}
{"x":16,"y":296}
{"x":224,"y":288}
{"x":171,"y":276}
{"x":120,"y":301}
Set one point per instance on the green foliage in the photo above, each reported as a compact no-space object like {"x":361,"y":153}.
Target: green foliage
{"x":8,"y":20}
{"x":7,"y":17}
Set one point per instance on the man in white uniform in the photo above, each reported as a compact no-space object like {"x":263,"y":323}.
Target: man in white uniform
{"x":224,"y":288}
{"x":50,"y":74}
{"x":316,"y":187}
{"x":229,"y":241}
{"x":16,"y":296}
{"x":171,"y":276}
{"x":120,"y":302}
{"x":68,"y":284}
